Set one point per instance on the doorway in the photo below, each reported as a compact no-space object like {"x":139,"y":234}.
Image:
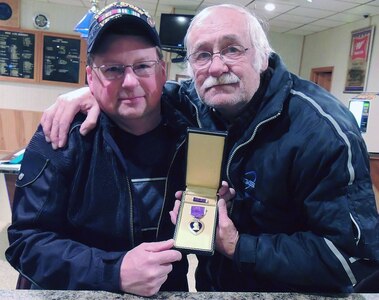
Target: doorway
{"x":322,"y":77}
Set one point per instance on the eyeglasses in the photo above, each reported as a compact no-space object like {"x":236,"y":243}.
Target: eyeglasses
{"x":230,"y":54}
{"x":116,"y":71}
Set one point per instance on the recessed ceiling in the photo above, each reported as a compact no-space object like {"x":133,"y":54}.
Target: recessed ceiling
{"x":290,"y":16}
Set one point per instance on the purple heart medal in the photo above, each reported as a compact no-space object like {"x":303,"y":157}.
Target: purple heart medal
{"x":196,"y":226}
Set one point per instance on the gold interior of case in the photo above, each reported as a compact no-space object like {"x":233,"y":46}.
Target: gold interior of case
{"x":204,"y":162}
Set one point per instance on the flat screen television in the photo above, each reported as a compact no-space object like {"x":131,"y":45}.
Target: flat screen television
{"x":172,"y":31}
{"x":360,"y":110}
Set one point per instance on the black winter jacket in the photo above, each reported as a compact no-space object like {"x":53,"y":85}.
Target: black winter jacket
{"x":65,"y":233}
{"x":305,"y":208}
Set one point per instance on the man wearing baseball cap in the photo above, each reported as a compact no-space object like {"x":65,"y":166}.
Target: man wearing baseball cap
{"x":95,"y":214}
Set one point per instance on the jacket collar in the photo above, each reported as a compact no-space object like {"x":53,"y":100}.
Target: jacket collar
{"x":276,"y":83}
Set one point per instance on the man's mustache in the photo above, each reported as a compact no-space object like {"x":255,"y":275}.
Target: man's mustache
{"x":226,"y":78}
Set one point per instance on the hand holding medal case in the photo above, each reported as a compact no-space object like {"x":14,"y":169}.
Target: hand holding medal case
{"x":197,"y":218}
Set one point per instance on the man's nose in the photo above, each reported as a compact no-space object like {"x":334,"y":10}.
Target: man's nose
{"x":130,"y":78}
{"x":217,"y":65}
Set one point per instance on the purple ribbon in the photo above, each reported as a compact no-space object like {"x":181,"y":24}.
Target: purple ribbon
{"x":198,"y":211}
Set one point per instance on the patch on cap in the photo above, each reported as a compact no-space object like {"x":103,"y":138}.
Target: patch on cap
{"x":115,"y":11}
{"x":122,"y":8}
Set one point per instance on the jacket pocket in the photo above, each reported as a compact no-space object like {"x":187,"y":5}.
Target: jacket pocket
{"x":32,"y":167}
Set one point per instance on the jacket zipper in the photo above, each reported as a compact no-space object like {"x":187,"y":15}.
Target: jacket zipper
{"x":131,"y":212}
{"x":165,"y":190}
{"x":228,"y":176}
{"x":247,"y":142}
{"x":197,"y":112}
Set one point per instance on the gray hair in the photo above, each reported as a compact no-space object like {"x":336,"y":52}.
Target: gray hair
{"x":257,"y":34}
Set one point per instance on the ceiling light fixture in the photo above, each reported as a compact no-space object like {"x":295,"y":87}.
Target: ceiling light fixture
{"x":270,"y":6}
{"x":83,"y":26}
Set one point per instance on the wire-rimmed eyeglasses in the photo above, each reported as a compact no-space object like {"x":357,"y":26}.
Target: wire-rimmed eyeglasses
{"x":230,"y":54}
{"x":117,"y":71}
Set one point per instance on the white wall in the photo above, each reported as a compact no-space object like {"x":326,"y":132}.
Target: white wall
{"x":37,"y":97}
{"x":373,"y":75}
{"x":331,"y":48}
{"x":63,"y":18}
{"x":328,"y":48}
{"x":289,"y":47}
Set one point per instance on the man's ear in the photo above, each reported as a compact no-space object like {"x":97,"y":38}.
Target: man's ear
{"x":264,"y":64}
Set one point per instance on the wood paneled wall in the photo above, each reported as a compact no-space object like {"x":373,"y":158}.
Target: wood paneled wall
{"x":16,"y":128}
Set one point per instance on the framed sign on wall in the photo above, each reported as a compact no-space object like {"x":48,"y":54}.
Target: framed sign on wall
{"x":63,"y":59}
{"x":18,"y":55}
{"x":40,"y":57}
{"x":10,"y":13}
{"x":359,"y":60}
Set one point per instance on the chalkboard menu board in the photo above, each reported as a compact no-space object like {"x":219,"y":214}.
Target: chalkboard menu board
{"x":61,"y":59}
{"x":42,"y":57}
{"x":17,"y":54}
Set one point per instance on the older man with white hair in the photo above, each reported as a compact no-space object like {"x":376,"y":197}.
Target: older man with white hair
{"x":304,"y":216}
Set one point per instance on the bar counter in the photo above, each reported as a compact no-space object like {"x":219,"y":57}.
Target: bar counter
{"x":97,"y":295}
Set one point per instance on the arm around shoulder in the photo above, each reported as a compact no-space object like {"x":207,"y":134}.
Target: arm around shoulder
{"x":56,"y":120}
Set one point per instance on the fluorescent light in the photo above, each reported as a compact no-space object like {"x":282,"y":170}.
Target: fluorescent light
{"x":270,"y":6}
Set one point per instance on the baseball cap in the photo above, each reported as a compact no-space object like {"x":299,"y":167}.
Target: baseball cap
{"x":124,"y":18}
